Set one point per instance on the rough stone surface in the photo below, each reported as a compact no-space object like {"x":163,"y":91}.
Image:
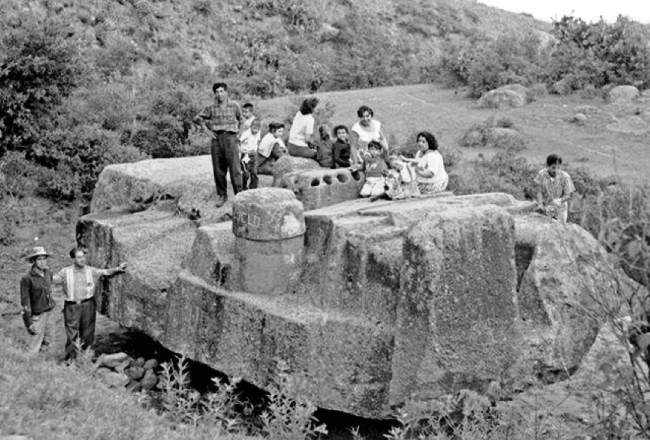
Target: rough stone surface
{"x":457,"y":311}
{"x":181,"y":186}
{"x":323,"y":187}
{"x":563,"y":275}
{"x":579,"y":119}
{"x":150,"y":380}
{"x":423,"y":295}
{"x":112,"y":378}
{"x":135,"y":372}
{"x":151,"y":364}
{"x":502,"y":97}
{"x":111,"y":360}
{"x":287,"y":164}
{"x":623,"y":95}
{"x":267,"y":214}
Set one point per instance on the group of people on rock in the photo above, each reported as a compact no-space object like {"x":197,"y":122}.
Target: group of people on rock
{"x":238,"y":147}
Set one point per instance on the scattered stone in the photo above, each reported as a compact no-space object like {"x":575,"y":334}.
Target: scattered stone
{"x":151,"y":364}
{"x":150,"y":380}
{"x":579,"y":119}
{"x":112,"y":379}
{"x":623,"y":95}
{"x":111,"y":360}
{"x":134,"y":387}
{"x":134,"y":372}
{"x":139,"y":362}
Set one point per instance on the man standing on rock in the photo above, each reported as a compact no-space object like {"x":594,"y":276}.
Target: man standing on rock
{"x":80,"y":307}
{"x":36,"y":301}
{"x":222,"y":120}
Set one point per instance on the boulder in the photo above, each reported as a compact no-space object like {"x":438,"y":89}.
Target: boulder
{"x":134,"y":372}
{"x":563,"y":86}
{"x":623,"y":95}
{"x":503,"y":97}
{"x":149,"y":381}
{"x":579,"y":119}
{"x":151,"y":364}
{"x":422,"y":296}
{"x":112,"y":361}
{"x":112,"y":379}
{"x":324,"y":187}
{"x":287,"y":164}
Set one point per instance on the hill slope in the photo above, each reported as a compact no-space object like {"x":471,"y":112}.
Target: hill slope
{"x":269,"y":46}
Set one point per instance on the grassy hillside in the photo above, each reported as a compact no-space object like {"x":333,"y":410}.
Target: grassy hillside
{"x":269,"y":46}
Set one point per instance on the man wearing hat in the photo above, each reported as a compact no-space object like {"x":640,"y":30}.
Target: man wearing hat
{"x":79,"y":308}
{"x":36,"y":300}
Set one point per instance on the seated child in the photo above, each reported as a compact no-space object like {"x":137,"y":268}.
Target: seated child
{"x":324,"y":148}
{"x":401,"y":180}
{"x":271,"y":148}
{"x":248,"y":142}
{"x":341,"y":148}
{"x":375,"y":168}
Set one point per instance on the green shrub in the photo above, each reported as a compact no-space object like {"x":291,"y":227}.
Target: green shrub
{"x":40,"y":68}
{"x":72,"y":159}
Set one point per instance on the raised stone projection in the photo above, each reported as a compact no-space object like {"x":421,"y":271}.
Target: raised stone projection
{"x":324,"y":187}
{"x":269,"y":246}
{"x":287,"y":164}
{"x":392,"y":299}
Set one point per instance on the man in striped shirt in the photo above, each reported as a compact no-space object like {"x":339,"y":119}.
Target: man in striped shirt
{"x":79,"y":308}
{"x":222,"y":119}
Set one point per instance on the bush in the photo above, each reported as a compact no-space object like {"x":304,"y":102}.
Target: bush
{"x":40,"y":68}
{"x":73,"y":158}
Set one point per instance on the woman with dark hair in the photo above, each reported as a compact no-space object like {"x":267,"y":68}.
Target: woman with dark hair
{"x":302,"y":130}
{"x":429,"y":165}
{"x":363,"y":131}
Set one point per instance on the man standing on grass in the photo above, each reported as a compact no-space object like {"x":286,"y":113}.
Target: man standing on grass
{"x":79,"y":309}
{"x":36,"y":301}
{"x":222,"y":120}
{"x":554,"y":189}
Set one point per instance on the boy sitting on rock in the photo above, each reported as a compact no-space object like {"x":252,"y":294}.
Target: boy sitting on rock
{"x":271,"y":148}
{"x":375,"y":169}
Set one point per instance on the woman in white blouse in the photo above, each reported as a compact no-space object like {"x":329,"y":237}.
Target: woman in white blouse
{"x":429,"y":165}
{"x":302,"y":130}
{"x":363,"y":131}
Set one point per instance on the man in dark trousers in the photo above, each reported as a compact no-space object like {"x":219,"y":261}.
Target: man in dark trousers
{"x":36,"y":301}
{"x":79,"y":309}
{"x":222,"y":120}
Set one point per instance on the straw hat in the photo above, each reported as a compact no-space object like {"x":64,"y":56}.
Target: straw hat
{"x":38,"y":251}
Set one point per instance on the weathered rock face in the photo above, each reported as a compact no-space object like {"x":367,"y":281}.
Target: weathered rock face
{"x":385,"y":300}
{"x":623,"y":95}
{"x":288,"y":164}
{"x":506,"y":96}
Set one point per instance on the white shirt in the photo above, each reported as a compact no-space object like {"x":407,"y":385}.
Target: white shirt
{"x":367,"y":134}
{"x":301,"y":129}
{"x":266,"y":145}
{"x":432,"y":161}
{"x":248,"y":142}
